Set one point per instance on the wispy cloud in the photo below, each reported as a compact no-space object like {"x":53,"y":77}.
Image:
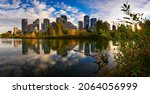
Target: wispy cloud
{"x":110,"y":9}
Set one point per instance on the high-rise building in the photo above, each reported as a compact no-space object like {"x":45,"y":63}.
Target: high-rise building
{"x":63,"y":20}
{"x":24,"y":25}
{"x":30,"y":28}
{"x":16,"y":30}
{"x":36,"y":24}
{"x":86,"y":21}
{"x":64,"y":17}
{"x":59,"y":19}
{"x":80,"y":25}
{"x":93,"y":22}
{"x":45,"y":24}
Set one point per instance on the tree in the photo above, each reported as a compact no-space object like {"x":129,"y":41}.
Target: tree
{"x":105,"y":26}
{"x":122,"y":28}
{"x":132,"y":18}
{"x":59,"y":28}
{"x":72,"y":32}
{"x":101,"y":26}
{"x":146,"y":26}
{"x":51,"y":31}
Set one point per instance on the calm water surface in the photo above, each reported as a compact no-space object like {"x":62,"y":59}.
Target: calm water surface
{"x":54,"y":57}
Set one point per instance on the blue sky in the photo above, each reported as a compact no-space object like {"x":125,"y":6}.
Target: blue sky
{"x":12,"y":11}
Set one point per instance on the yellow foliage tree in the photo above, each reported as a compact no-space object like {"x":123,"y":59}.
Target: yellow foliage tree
{"x":72,"y":32}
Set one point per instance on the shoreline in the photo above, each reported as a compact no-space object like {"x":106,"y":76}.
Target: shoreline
{"x":58,"y":37}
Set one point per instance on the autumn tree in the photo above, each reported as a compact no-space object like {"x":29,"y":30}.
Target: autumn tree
{"x":51,"y":31}
{"x":59,"y":28}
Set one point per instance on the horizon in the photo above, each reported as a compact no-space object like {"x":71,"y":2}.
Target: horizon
{"x":12,"y":11}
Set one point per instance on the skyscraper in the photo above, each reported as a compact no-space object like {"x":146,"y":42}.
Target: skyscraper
{"x":93,"y":22}
{"x":59,"y":19}
{"x":36,"y":24}
{"x":80,"y":25}
{"x":86,"y":21}
{"x":64,"y":17}
{"x":45,"y":24}
{"x":24,"y":25}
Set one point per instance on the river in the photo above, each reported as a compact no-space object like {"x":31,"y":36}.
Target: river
{"x":55,"y":57}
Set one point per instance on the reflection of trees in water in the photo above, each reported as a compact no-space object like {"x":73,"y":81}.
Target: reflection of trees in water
{"x":62,"y":47}
{"x":96,"y":49}
{"x":17,"y":43}
{"x":91,"y":46}
{"x":46,"y":46}
{"x":32,"y":44}
{"x":6,"y":41}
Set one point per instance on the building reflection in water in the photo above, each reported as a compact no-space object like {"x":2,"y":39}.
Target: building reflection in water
{"x":17,"y":43}
{"x":32,"y":44}
{"x":61,"y":46}
{"x":7,"y":41}
{"x":68,"y":55}
{"x":46,"y":46}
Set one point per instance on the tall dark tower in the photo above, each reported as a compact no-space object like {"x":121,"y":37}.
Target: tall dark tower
{"x":46,"y":23}
{"x":93,"y":22}
{"x":64,"y":17}
{"x":24,"y":25}
{"x":86,"y":21}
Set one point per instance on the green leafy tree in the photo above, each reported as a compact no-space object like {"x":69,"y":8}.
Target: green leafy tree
{"x":105,"y":26}
{"x":146,"y":26}
{"x":122,"y":28}
{"x":101,"y":26}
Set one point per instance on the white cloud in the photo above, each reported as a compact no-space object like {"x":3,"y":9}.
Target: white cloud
{"x":6,"y":5}
{"x":11,"y":14}
{"x":39,"y":6}
{"x":111,"y":9}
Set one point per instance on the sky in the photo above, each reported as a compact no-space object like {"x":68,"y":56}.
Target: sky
{"x":12,"y":11}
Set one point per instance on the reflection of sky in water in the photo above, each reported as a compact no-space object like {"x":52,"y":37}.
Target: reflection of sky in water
{"x":13,"y":63}
{"x":40,"y":60}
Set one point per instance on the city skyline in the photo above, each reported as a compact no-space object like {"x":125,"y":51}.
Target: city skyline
{"x":89,"y":24}
{"x":12,"y":11}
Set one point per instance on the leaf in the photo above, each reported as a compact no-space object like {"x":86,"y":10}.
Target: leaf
{"x":131,"y":15}
{"x":124,"y":5}
{"x":126,"y":18}
{"x":142,"y":14}
{"x":134,"y":16}
{"x":128,"y":22}
{"x":123,"y":10}
{"x":128,"y":6}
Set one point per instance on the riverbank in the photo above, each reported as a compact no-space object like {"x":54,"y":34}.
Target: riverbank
{"x":89,"y":36}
